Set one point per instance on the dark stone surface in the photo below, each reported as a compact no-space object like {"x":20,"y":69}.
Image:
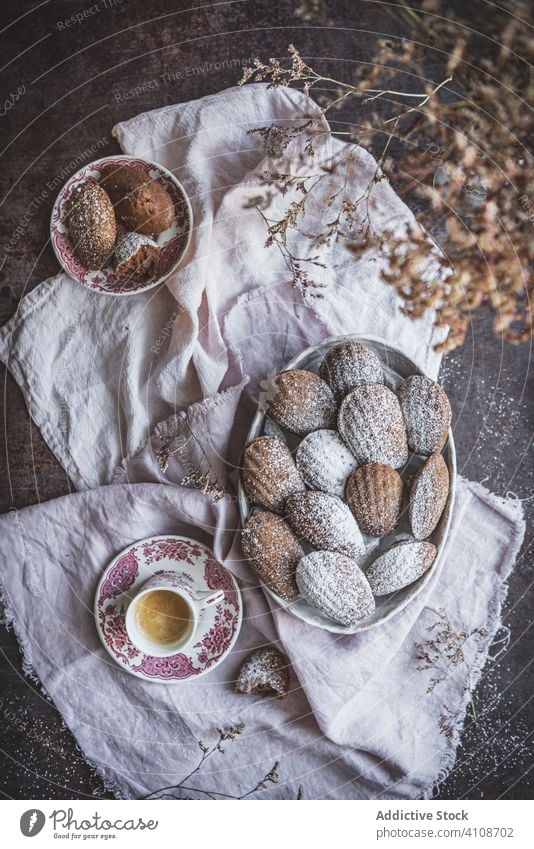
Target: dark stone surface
{"x":73,"y":80}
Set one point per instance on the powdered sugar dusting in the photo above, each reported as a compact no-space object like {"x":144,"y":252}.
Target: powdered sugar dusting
{"x":265,"y":671}
{"x":428,"y":495}
{"x":348,"y":364}
{"x":269,"y":474}
{"x":400,"y":566}
{"x":325,"y":522}
{"x":302,"y":402}
{"x":427,"y":413}
{"x":336,"y":586}
{"x":273,"y":552}
{"x":370,"y":421}
{"x":325,"y":462}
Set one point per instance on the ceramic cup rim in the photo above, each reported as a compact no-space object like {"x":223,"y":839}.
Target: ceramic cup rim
{"x":145,"y":644}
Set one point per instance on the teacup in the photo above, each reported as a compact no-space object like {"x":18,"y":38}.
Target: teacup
{"x":162,"y":617}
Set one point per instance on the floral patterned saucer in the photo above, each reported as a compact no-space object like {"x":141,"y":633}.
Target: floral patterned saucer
{"x":173,"y":242}
{"x":194,"y":565}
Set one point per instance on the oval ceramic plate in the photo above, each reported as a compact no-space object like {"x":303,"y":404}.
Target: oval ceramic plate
{"x":396,"y":367}
{"x":173,"y":242}
{"x":195,"y":564}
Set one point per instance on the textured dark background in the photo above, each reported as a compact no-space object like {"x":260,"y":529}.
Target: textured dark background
{"x":73,"y":78}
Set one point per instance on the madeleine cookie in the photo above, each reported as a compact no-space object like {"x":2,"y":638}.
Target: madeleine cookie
{"x":400,"y":566}
{"x":348,"y":364}
{"x":265,"y":672}
{"x":325,"y":522}
{"x":325,"y":462}
{"x":91,"y":223}
{"x":268,"y":473}
{"x":135,"y":256}
{"x":371,"y":423}
{"x":336,"y":586}
{"x":428,"y":494}
{"x":273,"y":552}
{"x":427,"y":413}
{"x":301,"y":402}
{"x":374,"y":494}
{"x":141,"y":203}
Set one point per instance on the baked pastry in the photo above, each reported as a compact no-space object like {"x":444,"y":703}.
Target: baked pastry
{"x":325,"y":522}
{"x":301,"y":402}
{"x":374,"y":494}
{"x":336,"y":586}
{"x":92,"y":226}
{"x":371,"y":423}
{"x":264,"y":672}
{"x":348,"y":364}
{"x":400,"y":566}
{"x":141,"y":203}
{"x":428,"y":494}
{"x":268,"y":474}
{"x":427,"y":413}
{"x":273,"y":552}
{"x":135,"y":256}
{"x":325,"y":462}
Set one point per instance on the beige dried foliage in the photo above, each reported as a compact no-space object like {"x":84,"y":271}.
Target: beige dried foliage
{"x":460,"y":158}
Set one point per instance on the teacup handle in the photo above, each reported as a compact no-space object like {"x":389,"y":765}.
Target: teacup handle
{"x":208,"y":598}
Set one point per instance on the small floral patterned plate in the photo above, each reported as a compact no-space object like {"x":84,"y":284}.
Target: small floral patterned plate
{"x":173,"y":242}
{"x":193,"y":564}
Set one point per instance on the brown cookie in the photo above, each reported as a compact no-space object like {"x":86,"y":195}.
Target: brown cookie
{"x":268,"y":474}
{"x":325,"y":522}
{"x":135,"y":256}
{"x":400,"y":566}
{"x":141,"y":203}
{"x":371,"y":423}
{"x":336,"y":586}
{"x":374,"y":494}
{"x":428,"y":494}
{"x":273,"y":552}
{"x":427,"y":413}
{"x":348,"y":364}
{"x":264,"y":672}
{"x":301,"y":402}
{"x":91,"y":223}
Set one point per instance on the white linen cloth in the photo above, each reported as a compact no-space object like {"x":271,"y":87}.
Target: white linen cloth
{"x":98,"y":373}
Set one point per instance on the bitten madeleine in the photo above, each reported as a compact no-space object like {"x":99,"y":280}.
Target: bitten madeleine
{"x":336,"y":586}
{"x":374,"y":494}
{"x":301,"y":402}
{"x":427,"y":413}
{"x":265,"y":672}
{"x":348,"y":364}
{"x":91,"y":223}
{"x":273,"y":552}
{"x":400,"y":566}
{"x":325,"y":522}
{"x":371,"y":423}
{"x":141,"y":203}
{"x":268,"y":474}
{"x":428,"y":494}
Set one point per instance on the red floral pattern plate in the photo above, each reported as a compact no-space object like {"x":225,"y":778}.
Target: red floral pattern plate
{"x":194,"y":564}
{"x":173,"y":242}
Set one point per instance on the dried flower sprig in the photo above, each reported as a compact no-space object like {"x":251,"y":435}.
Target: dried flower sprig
{"x":444,"y":654}
{"x":462,"y":157}
{"x":225,"y":735}
{"x":203,"y":476}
